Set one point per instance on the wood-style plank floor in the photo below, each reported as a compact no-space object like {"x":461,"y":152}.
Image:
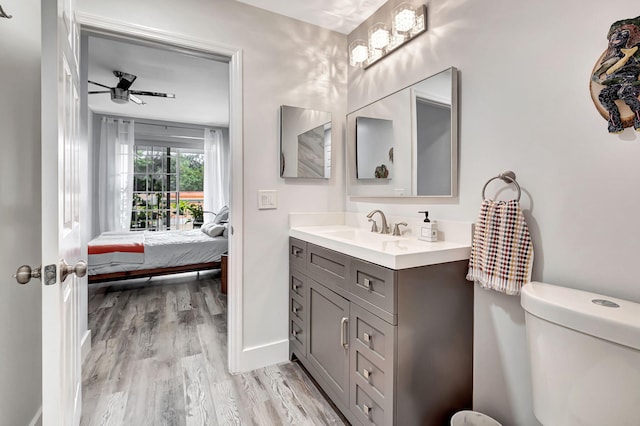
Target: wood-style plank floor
{"x":159,"y":357}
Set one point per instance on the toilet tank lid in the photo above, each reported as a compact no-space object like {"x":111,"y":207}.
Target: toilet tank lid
{"x":575,"y":309}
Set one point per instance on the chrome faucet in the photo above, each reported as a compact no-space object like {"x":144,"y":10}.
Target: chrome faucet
{"x":384,"y":227}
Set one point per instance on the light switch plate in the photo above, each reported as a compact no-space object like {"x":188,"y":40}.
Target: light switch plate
{"x":267,"y":199}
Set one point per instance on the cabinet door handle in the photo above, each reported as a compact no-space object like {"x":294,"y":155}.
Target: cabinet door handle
{"x":343,"y":333}
{"x":367,"y":283}
{"x":367,"y":337}
{"x":366,"y":373}
{"x":296,"y":251}
{"x":295,"y":309}
{"x":366,"y":409}
{"x":295,"y":286}
{"x":294,"y":333}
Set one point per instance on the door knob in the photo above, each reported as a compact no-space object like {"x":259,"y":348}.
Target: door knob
{"x":24,"y":274}
{"x":80,"y":269}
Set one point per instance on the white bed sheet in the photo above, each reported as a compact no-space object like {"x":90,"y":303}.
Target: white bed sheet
{"x":163,"y":249}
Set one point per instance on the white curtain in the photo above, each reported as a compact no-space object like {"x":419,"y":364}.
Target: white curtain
{"x":115,"y":175}
{"x":216,"y":171}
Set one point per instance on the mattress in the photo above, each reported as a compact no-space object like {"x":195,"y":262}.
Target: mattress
{"x":162,"y":249}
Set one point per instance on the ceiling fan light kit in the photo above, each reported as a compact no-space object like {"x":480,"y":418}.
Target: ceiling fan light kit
{"x":121,"y":94}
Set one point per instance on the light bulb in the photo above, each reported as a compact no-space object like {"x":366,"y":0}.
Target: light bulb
{"x":404,"y":18}
{"x":359,"y":53}
{"x":378,"y":36}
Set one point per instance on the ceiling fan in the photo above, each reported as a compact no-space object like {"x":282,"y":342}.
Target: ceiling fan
{"x":121,"y":93}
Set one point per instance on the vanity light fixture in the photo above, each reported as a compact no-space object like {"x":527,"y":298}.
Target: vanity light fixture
{"x":407,"y":22}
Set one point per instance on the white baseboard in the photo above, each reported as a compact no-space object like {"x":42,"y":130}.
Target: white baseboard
{"x":85,"y":345}
{"x":37,"y":419}
{"x":261,"y":356}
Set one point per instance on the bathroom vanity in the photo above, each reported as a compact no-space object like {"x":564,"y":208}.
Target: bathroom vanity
{"x":383,"y":324}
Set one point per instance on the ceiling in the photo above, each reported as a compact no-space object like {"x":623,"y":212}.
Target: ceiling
{"x":201,"y":85}
{"x":342,"y":16}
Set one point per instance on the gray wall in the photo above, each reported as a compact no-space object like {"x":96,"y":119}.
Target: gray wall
{"x":20,"y":305}
{"x":525,"y":106}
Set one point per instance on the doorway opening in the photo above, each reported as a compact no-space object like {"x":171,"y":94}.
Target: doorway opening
{"x":163,"y":205}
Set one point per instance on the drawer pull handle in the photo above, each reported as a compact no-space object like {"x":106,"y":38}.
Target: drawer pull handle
{"x":366,"y":409}
{"x":295,"y":333}
{"x":295,"y":286}
{"x":367,"y":337}
{"x":296,"y":251}
{"x":367,"y":283}
{"x":295,"y":309}
{"x":343,"y":333}
{"x":366,"y":373}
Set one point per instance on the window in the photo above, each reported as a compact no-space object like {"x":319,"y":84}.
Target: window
{"x":165,"y":181}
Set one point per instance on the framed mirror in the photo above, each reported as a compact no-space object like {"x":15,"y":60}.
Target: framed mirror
{"x":406,"y":144}
{"x":305,"y":143}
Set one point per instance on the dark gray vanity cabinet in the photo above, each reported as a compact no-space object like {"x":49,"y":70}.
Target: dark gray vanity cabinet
{"x":389,"y":347}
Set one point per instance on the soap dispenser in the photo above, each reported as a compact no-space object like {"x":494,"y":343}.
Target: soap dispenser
{"x":429,"y":229}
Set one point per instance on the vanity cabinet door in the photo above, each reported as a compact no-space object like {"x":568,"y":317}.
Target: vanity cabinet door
{"x":328,"y":348}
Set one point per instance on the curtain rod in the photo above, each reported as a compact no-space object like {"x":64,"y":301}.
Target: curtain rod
{"x":214,"y":128}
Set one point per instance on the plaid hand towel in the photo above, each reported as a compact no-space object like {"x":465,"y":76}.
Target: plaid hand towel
{"x":501,"y":252}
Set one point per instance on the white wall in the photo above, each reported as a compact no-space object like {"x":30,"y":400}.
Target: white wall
{"x":20,"y":305}
{"x":525,"y":106}
{"x":286,"y":62}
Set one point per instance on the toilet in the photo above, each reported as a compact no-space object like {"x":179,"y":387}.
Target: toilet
{"x":472,"y":418}
{"x":585,"y":356}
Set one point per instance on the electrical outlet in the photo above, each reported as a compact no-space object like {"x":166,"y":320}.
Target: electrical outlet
{"x":267,"y":199}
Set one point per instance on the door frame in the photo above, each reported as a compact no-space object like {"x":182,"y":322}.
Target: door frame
{"x":93,"y":23}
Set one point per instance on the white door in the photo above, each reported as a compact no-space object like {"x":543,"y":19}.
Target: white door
{"x":61,"y":361}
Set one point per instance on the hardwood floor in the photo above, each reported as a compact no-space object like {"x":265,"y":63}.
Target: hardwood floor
{"x":159,"y":357}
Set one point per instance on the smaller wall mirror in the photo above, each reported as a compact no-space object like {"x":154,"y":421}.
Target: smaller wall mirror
{"x":305,"y":143}
{"x":406,"y":144}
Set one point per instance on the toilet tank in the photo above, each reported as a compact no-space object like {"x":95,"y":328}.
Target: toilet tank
{"x":585,"y":356}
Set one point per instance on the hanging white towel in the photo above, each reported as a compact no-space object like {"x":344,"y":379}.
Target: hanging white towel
{"x":501,"y":251}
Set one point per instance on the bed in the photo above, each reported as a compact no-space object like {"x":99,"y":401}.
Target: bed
{"x":117,"y":256}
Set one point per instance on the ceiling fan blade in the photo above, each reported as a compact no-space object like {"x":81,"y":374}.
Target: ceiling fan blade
{"x":98,"y":84}
{"x":99,"y":91}
{"x":136,"y":100}
{"x":158,"y":94}
{"x":125,"y":80}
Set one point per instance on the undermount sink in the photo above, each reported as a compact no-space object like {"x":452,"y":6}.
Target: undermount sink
{"x":395,"y":252}
{"x":360,"y":235}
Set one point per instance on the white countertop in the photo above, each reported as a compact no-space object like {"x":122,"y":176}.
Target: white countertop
{"x":386,"y":250}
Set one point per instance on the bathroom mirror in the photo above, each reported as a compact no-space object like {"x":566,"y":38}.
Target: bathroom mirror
{"x":305,"y":143}
{"x":406,"y":144}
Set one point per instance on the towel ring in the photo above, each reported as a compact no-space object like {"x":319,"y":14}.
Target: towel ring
{"x":507,"y":177}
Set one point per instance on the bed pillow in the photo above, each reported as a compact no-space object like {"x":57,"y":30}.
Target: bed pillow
{"x":222,"y":216}
{"x":212,"y":229}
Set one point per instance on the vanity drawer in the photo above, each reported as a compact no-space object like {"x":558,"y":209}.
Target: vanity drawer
{"x":367,"y":410}
{"x":297,"y":285}
{"x":367,"y":374}
{"x":373,"y":284}
{"x":297,"y":253}
{"x":297,"y":336}
{"x":327,"y":266}
{"x":372,"y":336}
{"x":297,"y":309}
